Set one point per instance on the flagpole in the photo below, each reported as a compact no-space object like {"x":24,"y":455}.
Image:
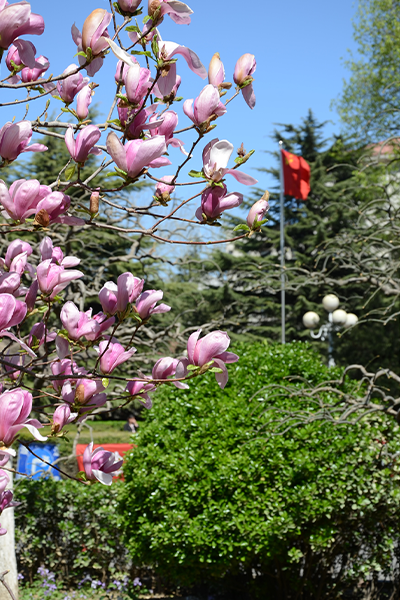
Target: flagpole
{"x":282,"y":239}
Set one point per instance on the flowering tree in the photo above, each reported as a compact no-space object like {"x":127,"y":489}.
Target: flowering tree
{"x":53,"y":353}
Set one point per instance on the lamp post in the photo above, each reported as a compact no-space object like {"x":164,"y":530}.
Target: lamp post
{"x":337,"y":318}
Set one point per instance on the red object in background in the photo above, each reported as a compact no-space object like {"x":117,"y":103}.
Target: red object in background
{"x":121,"y":449}
{"x":296,"y":175}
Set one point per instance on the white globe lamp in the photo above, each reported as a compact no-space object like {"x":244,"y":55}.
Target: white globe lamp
{"x":339,"y":317}
{"x":310,"y":319}
{"x":330,"y":302}
{"x":351,"y":320}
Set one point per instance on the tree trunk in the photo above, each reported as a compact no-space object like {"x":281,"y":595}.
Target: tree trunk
{"x":8,"y":560}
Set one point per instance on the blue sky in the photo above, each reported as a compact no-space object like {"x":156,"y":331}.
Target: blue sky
{"x":298,"y":46}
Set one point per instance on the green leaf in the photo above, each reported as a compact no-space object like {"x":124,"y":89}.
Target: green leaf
{"x":146,"y":18}
{"x":198,"y":174}
{"x":81,"y":53}
{"x":242,"y":227}
{"x":142,"y":53}
{"x":133,"y":28}
{"x":105,"y":381}
{"x":69,"y":171}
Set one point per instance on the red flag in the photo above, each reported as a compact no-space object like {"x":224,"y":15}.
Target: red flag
{"x":296,"y":175}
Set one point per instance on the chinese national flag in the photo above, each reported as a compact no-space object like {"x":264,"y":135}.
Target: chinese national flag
{"x":296,"y":175}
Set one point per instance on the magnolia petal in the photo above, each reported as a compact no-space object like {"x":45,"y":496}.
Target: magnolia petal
{"x":121,"y":54}
{"x":104,"y":478}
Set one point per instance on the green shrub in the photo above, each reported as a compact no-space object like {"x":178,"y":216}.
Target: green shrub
{"x":218,"y":506}
{"x":70,"y":529}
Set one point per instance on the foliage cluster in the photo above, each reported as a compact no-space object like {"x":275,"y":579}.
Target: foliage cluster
{"x":223,"y":506}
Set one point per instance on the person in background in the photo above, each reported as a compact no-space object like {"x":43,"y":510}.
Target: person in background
{"x":131,"y":424}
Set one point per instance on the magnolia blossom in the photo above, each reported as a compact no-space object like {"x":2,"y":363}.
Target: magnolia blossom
{"x":37,"y":335}
{"x":47,"y":250}
{"x":13,"y":56}
{"x":84,"y":99}
{"x":146,"y":304}
{"x":88,"y":395}
{"x":12,"y":311}
{"x":41,"y":66}
{"x":167,"y":85}
{"x":178,"y":11}
{"x":21,"y":200}
{"x":56,"y":206}
{"x":53,"y":278}
{"x":244,"y":69}
{"x":17,"y":360}
{"x":216,"y":155}
{"x":64,"y":368}
{"x":138,"y":124}
{"x":164,"y":190}
{"x":6,"y":498}
{"x":112,"y":354}
{"x":9,"y":283}
{"x":137,"y":83}
{"x":129,"y":6}
{"x":206,"y":105}
{"x":140,"y":389}
{"x":16,"y":20}
{"x":84,"y":144}
{"x":216,"y":71}
{"x":68,"y":88}
{"x":166,"y":367}
{"x":168,"y":50}
{"x":214,"y":200}
{"x":212,"y":348}
{"x":62,"y":416}
{"x":14,"y":139}
{"x":79,"y":324}
{"x":121,"y":71}
{"x":115,"y":298}
{"x":166,"y":126}
{"x":15,"y":408}
{"x":100,"y":464}
{"x":257,"y":212}
{"x":137,"y":154}
{"x":94,"y":36}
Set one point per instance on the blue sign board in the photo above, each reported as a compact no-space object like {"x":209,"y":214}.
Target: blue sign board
{"x":30,"y":465}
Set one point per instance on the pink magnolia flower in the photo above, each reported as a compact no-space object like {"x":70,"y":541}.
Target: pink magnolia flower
{"x":17,"y":360}
{"x":167,"y":85}
{"x":166,"y":126}
{"x":62,"y":416}
{"x":137,"y":83}
{"x":16,"y":20}
{"x":9,"y":283}
{"x":15,"y":408}
{"x":22,"y":54}
{"x":122,"y":70}
{"x":79,"y":324}
{"x":244,"y":69}
{"x":257,"y":212}
{"x":103,"y":323}
{"x":12,"y":311}
{"x":21,"y":200}
{"x":164,"y":190}
{"x":31,"y":295}
{"x":216,"y":155}
{"x":14,"y":139}
{"x":112,"y":354}
{"x":214,"y":200}
{"x":53,"y":278}
{"x":205,"y":106}
{"x":41,"y":66}
{"x":178,"y":11}
{"x":15,"y":249}
{"x":37,"y":334}
{"x":129,"y":6}
{"x":83,"y":101}
{"x":116,"y":297}
{"x":216,"y":71}
{"x":168,"y":50}
{"x":100,"y":464}
{"x":94,"y":36}
{"x":166,"y":367}
{"x":84,"y":144}
{"x":68,"y":88}
{"x":56,"y":206}
{"x":137,"y":154}
{"x":137,"y":124}
{"x":47,"y":250}
{"x":212,"y":347}
{"x":88,"y":395}
{"x":141,"y":389}
{"x":6,"y":501}
{"x":64,"y":368}
{"x":146,"y":304}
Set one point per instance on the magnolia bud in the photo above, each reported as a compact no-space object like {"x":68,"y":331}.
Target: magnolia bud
{"x":94,"y":203}
{"x":80,"y":394}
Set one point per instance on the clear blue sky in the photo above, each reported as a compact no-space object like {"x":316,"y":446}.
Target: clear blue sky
{"x":298,"y":48}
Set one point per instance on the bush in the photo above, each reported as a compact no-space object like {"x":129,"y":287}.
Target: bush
{"x":70,"y":529}
{"x":223,"y":509}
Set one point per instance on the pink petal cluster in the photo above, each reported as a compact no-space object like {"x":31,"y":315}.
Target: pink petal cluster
{"x":141,"y":390}
{"x":166,"y":367}
{"x":165,"y":126}
{"x":94,"y":36}
{"x":206,"y":105}
{"x":83,"y":101}
{"x":86,"y":139}
{"x":178,"y":11}
{"x":15,"y":408}
{"x":41,"y":66}
{"x":137,"y":84}
{"x":211,"y":348}
{"x":14,"y":139}
{"x":215,"y":200}
{"x":69,"y":87}
{"x":129,"y":6}
{"x":88,"y":394}
{"x":23,"y":197}
{"x":168,"y":84}
{"x":146,"y":304}
{"x":137,"y":154}
{"x":47,"y":250}
{"x":21,"y":57}
{"x":16,"y":256}
{"x":115,"y":298}
{"x":53,"y":278}
{"x":112,"y":354}
{"x":216,"y":155}
{"x":164,"y":190}
{"x":16,"y":20}
{"x":244,"y":69}
{"x":12,"y":311}
{"x":79,"y":324}
{"x":61,"y":417}
{"x":100,"y":464}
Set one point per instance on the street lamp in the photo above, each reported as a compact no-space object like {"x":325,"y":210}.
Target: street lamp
{"x":337,"y":318}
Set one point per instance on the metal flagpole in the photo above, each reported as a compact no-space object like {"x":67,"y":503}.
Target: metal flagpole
{"x":282,"y":231}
